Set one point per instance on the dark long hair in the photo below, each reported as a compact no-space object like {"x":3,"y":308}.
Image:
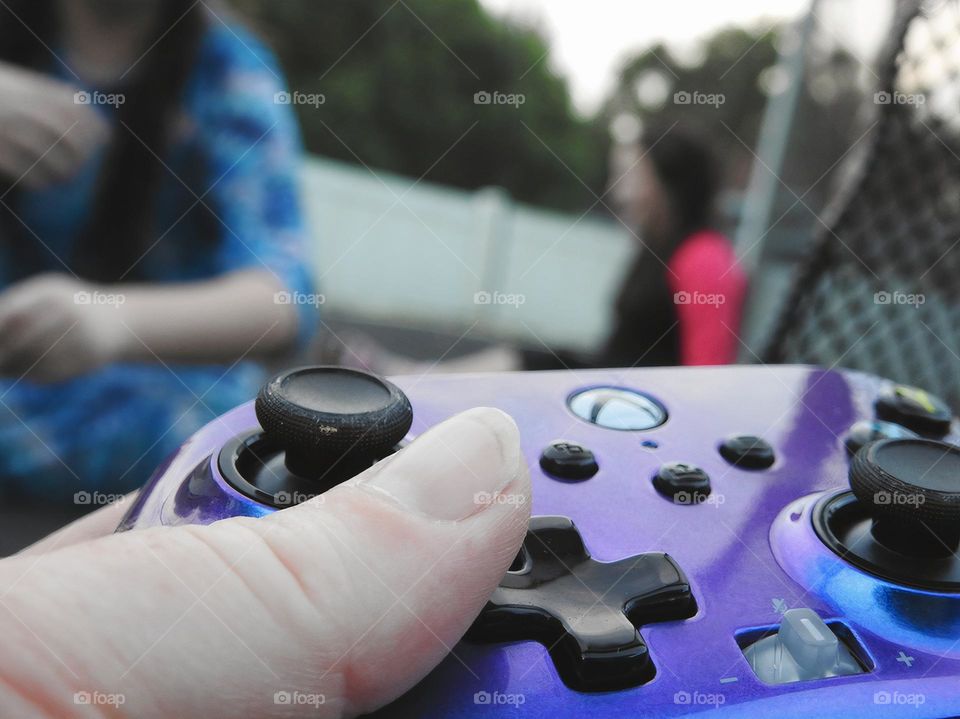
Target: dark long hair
{"x":121,"y":222}
{"x":645,"y":314}
{"x":685,"y":165}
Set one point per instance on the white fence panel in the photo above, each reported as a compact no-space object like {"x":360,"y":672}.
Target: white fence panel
{"x":391,"y":251}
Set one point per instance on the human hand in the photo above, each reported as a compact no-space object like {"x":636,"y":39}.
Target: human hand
{"x":349,"y":598}
{"x":45,"y":136}
{"x":55,"y":327}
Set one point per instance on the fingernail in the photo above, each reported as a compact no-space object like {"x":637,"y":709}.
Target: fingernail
{"x":455,"y":469}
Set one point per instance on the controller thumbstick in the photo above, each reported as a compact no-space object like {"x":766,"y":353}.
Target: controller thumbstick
{"x":323,"y":417}
{"x":911,"y":490}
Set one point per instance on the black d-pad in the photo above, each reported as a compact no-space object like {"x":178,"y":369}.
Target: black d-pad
{"x":585,"y":612}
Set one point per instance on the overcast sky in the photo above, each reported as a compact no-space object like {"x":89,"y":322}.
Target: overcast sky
{"x":589,"y":38}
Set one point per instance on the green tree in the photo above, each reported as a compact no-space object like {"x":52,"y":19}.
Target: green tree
{"x":399,"y":79}
{"x":719,"y":94}
{"x":740,"y":66}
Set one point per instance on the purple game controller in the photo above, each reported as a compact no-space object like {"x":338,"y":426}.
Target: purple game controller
{"x":736,"y":541}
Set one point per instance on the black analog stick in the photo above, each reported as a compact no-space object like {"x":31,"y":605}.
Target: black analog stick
{"x":323,"y":416}
{"x":911,"y":490}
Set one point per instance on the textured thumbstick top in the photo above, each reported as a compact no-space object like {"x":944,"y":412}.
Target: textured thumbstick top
{"x":320,"y":414}
{"x":908,"y":481}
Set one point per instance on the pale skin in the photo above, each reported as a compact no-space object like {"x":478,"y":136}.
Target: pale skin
{"x":214,"y":621}
{"x":45,"y":137}
{"x":56,"y":327}
{"x":348,"y":600}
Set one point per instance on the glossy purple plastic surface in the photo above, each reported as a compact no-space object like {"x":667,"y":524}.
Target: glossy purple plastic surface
{"x":750,"y":552}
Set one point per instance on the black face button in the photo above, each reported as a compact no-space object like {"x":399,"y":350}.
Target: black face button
{"x":681,"y":482}
{"x":865,"y":432}
{"x":747,"y":451}
{"x":585,"y":612}
{"x":617,"y":408}
{"x":915,"y":409}
{"x":568,"y":460}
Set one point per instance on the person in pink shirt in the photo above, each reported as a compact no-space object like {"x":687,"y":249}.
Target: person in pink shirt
{"x":681,"y":299}
{"x":679,"y":302}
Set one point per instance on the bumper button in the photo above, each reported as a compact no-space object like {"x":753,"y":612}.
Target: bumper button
{"x":915,"y":409}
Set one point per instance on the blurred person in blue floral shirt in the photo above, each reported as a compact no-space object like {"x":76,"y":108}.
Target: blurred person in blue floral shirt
{"x":151,"y":242}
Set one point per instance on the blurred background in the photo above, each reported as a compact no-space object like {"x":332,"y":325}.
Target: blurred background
{"x":481,"y":185}
{"x":513,"y":198}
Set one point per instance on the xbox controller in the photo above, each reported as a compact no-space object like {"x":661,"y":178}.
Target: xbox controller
{"x":735,"y":541}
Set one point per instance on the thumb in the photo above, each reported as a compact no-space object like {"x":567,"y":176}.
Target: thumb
{"x":348,"y":599}
{"x":408,"y":553}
